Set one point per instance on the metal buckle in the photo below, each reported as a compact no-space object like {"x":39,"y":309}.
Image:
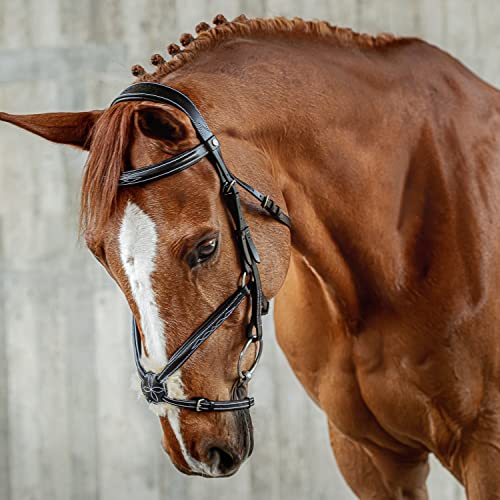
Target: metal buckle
{"x":228,"y":186}
{"x":199,"y":403}
{"x":271,"y":207}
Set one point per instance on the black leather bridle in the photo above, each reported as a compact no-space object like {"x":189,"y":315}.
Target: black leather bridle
{"x":154,"y":384}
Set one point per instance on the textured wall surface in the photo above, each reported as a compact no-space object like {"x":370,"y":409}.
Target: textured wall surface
{"x":70,"y":427}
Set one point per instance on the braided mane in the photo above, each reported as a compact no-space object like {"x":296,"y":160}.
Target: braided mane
{"x":241,"y":27}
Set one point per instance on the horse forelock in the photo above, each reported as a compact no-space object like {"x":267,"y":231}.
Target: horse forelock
{"x":106,"y":161}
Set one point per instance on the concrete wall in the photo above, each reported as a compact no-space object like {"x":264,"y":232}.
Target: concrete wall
{"x":70,"y":428}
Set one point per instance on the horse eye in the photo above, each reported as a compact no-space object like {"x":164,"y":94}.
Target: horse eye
{"x":205,"y":250}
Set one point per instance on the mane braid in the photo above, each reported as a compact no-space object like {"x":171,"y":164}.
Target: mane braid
{"x":241,"y":27}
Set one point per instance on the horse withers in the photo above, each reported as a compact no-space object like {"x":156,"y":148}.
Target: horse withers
{"x":385,"y":153}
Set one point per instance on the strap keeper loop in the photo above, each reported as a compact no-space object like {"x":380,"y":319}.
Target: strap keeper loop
{"x":265,"y":306}
{"x":250,"y":335}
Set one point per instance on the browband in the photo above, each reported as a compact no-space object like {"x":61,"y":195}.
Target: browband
{"x":165,"y":168}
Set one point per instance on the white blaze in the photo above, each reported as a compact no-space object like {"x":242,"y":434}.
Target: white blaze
{"x":138,"y":240}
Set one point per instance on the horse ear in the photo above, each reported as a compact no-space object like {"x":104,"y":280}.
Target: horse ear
{"x":160,"y":123}
{"x":74,"y":129}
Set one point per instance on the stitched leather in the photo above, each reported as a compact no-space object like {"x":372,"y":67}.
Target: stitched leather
{"x":156,"y":92}
{"x":165,"y":168}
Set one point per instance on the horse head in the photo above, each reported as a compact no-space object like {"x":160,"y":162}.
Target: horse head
{"x":177,"y":253}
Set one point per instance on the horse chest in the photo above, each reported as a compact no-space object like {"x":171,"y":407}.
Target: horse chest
{"x":386,"y":384}
{"x":372,"y":390}
{"x":398,"y":394}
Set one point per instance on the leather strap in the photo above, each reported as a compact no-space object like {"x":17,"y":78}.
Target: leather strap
{"x":165,"y":168}
{"x":156,"y":92}
{"x":267,"y":203}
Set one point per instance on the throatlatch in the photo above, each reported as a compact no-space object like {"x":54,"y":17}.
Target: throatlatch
{"x":153,"y":384}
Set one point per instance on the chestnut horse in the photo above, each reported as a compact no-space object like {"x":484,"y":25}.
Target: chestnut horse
{"x":385,"y":152}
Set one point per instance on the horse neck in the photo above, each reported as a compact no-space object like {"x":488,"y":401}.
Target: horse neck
{"x":318,"y":113}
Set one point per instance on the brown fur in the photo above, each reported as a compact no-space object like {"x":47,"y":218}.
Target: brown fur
{"x":385,"y":153}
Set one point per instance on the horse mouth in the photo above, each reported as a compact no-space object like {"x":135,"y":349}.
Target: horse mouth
{"x":224,"y":458}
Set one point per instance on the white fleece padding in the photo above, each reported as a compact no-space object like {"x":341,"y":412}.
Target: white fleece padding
{"x":138,"y":247}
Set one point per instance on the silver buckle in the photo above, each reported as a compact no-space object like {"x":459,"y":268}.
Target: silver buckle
{"x":227,"y":186}
{"x":199,"y":403}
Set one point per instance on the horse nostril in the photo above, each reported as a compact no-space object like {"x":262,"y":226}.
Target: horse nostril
{"x":222,"y":461}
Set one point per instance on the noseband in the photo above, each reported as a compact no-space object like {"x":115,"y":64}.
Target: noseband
{"x":153,"y":384}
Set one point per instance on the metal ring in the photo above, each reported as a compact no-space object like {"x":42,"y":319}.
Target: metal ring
{"x":199,"y":403}
{"x":246,"y":375}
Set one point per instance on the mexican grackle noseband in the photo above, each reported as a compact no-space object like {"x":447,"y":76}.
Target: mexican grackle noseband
{"x":154,"y":384}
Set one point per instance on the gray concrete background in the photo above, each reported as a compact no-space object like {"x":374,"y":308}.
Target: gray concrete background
{"x":70,"y":427}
